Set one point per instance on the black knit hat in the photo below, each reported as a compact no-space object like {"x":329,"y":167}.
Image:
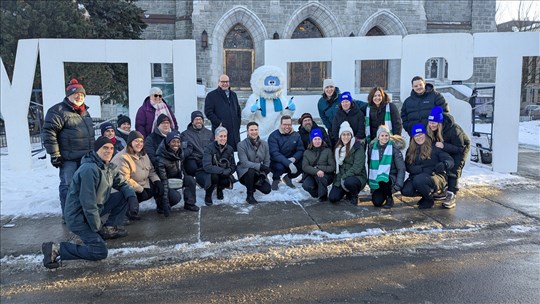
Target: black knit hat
{"x":123,"y":119}
{"x":196,"y":114}
{"x":106,"y":126}
{"x":132,"y":136}
{"x":172,"y":135}
{"x":161,"y":118}
{"x":102,"y":140}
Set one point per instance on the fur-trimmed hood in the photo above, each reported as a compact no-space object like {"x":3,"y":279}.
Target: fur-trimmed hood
{"x":397,"y":140}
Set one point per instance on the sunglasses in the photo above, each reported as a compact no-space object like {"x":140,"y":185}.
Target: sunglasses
{"x":158,"y":96}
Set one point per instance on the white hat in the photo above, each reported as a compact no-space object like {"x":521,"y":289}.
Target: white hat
{"x":327,"y":82}
{"x":345,"y":127}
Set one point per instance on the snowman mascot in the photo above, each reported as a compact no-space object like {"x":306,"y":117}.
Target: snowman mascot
{"x":265,"y":106}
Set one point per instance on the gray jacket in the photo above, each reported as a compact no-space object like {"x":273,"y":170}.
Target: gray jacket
{"x":251,"y":158}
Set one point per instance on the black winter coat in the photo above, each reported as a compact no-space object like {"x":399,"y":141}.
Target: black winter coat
{"x":304,"y":135}
{"x":376,"y":118}
{"x":456,"y":143}
{"x":417,"y":108}
{"x":428,"y":165}
{"x":356,"y":119}
{"x":68,"y":133}
{"x":214,"y":159}
{"x":169,"y":165}
{"x":225,"y":111}
{"x":196,"y":141}
{"x":151,"y":145}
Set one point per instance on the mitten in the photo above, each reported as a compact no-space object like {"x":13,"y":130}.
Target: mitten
{"x":291,"y":106}
{"x":440,"y":167}
{"x":293,"y":169}
{"x":264,"y":169}
{"x":57,"y":161}
{"x":255,"y":106}
{"x":159,"y":188}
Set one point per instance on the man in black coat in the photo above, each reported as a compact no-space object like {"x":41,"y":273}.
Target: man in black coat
{"x":417,"y":107}
{"x":196,"y":137}
{"x":222,"y":108}
{"x":68,"y":134}
{"x":306,"y":125}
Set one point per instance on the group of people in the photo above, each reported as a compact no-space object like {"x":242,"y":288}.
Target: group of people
{"x":120,"y":169}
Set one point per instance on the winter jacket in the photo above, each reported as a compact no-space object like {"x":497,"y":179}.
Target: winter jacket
{"x":284,"y":146}
{"x":169,"y":165}
{"x":67,"y":133}
{"x":353,"y":165}
{"x":316,"y":159}
{"x":225,"y":111}
{"x":456,"y":143}
{"x":137,"y":170}
{"x":417,"y":108}
{"x":397,"y":168}
{"x":328,"y":108}
{"x":356,"y":119}
{"x":146,"y":116}
{"x":216,"y":160}
{"x":376,"y":118}
{"x":304,"y":135}
{"x":151,"y":144}
{"x":251,"y":157}
{"x":90,"y":189}
{"x":196,"y":141}
{"x":428,"y":165}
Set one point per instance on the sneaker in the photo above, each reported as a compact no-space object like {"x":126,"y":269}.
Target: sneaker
{"x":389,"y":202}
{"x":191,"y":207}
{"x":288,"y":182}
{"x":275,"y":184}
{"x":219,"y":194}
{"x":112,"y":232}
{"x":450,"y":201}
{"x":51,"y":254}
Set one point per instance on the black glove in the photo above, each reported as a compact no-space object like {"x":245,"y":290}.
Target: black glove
{"x":440,"y":167}
{"x":264,"y":169}
{"x":227,"y":171}
{"x":57,"y":161}
{"x":396,"y":188}
{"x":159,"y":188}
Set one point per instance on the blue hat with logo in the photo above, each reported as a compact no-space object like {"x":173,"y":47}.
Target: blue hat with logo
{"x":315,"y":133}
{"x":418,"y":129}
{"x":345,"y":96}
{"x":436,"y":115}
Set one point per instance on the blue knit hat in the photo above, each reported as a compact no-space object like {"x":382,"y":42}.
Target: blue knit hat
{"x":106,"y":126}
{"x":436,"y":115}
{"x":345,"y":96}
{"x":315,"y":133}
{"x":418,"y":129}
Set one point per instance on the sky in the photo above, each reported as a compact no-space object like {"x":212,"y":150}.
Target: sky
{"x":507,"y":10}
{"x":35,"y":192}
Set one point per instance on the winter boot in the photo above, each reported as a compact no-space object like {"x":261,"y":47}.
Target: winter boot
{"x":51,"y":255}
{"x":208,"y":197}
{"x":275,"y":185}
{"x":288,"y":182}
{"x":219,"y":193}
{"x":251,"y":199}
{"x":323,"y":198}
{"x":389,"y":202}
{"x":112,"y":232}
{"x":166,"y":209}
{"x":426,"y":203}
{"x":354,"y":199}
{"x":191,"y":207}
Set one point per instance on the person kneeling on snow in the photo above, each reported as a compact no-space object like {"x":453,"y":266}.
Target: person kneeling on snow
{"x":88,"y":199}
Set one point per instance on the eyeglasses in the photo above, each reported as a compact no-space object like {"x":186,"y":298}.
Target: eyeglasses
{"x":158,"y":96}
{"x":224,"y":81}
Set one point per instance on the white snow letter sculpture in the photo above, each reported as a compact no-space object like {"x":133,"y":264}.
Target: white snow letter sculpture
{"x":265,"y":106}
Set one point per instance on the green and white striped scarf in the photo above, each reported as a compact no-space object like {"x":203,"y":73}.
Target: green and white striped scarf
{"x":387,"y":120}
{"x":379,"y":169}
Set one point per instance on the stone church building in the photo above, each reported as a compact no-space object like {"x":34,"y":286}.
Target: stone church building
{"x":230,"y":36}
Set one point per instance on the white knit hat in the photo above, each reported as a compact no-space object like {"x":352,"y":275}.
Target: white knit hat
{"x":327,"y":82}
{"x":345,"y":127}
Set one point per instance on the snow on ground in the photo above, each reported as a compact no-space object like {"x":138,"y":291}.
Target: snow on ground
{"x":33,"y":192}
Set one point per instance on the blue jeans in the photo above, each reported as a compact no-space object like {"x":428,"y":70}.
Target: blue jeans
{"x":67,"y":170}
{"x":94,"y":247}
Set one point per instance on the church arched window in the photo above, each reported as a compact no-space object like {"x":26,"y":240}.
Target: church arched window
{"x":238,"y":57}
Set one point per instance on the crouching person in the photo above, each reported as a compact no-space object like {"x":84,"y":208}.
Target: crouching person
{"x":351,"y":175}
{"x":318,"y":164}
{"x":386,"y":167}
{"x":253,"y":163}
{"x":170,"y":158}
{"x":89,"y":197}
{"x":219,"y":166}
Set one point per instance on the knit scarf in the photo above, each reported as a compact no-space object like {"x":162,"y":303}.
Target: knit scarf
{"x":387,"y":120}
{"x":341,"y":153}
{"x":161,"y":108}
{"x":379,"y":169}
{"x":278,"y":107}
{"x":79,"y":109}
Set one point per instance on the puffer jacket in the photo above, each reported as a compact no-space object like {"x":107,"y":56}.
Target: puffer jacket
{"x":250,"y":157}
{"x":283,"y":146}
{"x":316,"y":159}
{"x":90,"y":189}
{"x":136,"y":169}
{"x":397,"y":168}
{"x":196,"y":141}
{"x":67,"y":133}
{"x":353,"y":165}
{"x":169,"y":165}
{"x":356,"y":119}
{"x":417,"y":108}
{"x":151,"y":144}
{"x":146,"y":115}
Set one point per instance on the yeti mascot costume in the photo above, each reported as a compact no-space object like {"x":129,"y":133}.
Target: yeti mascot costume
{"x":265,"y":106}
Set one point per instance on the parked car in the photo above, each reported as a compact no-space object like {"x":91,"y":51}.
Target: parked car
{"x":533,"y":111}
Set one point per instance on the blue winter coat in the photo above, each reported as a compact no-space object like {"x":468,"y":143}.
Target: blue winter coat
{"x":284,"y":146}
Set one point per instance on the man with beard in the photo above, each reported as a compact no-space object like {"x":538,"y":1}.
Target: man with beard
{"x":306,"y":125}
{"x":196,"y":137}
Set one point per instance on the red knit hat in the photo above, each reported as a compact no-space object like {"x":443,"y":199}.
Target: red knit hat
{"x":74,"y":87}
